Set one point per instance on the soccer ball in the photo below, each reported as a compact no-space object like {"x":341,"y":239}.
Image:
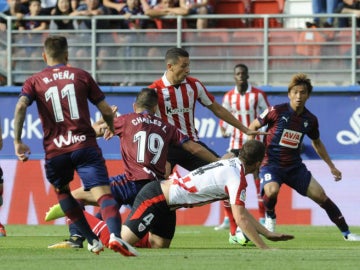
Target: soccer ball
{"x":242,"y":239}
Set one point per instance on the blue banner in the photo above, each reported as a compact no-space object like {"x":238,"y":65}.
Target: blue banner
{"x":339,"y":118}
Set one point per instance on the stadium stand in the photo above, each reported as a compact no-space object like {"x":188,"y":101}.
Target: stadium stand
{"x":230,"y":7}
{"x":265,"y":7}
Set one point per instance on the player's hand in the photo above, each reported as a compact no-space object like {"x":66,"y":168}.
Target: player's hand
{"x":279,"y":236}
{"x":22,"y":151}
{"x":108,"y":134}
{"x":336,"y":173}
{"x":256,"y":132}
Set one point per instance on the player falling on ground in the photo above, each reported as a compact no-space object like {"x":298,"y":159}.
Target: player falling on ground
{"x":154,"y":207}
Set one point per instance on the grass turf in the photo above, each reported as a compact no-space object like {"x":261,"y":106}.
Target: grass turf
{"x":194,"y":247}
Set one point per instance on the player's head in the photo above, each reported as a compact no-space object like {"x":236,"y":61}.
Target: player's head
{"x":251,"y":154}
{"x":55,"y":50}
{"x":173,"y":55}
{"x":241,"y":75}
{"x":146,"y":99}
{"x":300,"y":79}
{"x":177,"y":65}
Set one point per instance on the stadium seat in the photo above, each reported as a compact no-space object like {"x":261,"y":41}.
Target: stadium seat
{"x":230,"y":7}
{"x":210,"y":50}
{"x":282,"y":46}
{"x":265,"y":7}
{"x":246,"y":47}
{"x":309,"y":46}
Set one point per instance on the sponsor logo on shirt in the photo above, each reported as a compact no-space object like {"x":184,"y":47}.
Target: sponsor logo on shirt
{"x":290,"y":138}
{"x":170,"y":110}
{"x":69,"y":139}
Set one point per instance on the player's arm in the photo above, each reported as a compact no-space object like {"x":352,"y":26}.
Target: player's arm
{"x":21,"y":150}
{"x":225,"y":115}
{"x":320,"y":149}
{"x":247,"y":226}
{"x":255,"y":125}
{"x":107,"y":114}
{"x":252,"y":228}
{"x":199,"y":151}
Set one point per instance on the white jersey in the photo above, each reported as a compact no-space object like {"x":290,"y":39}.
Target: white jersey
{"x":245,"y":108}
{"x":176,"y":104}
{"x":224,"y":179}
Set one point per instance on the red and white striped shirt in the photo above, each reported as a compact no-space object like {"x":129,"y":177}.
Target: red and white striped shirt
{"x":245,"y":108}
{"x":176,"y":104}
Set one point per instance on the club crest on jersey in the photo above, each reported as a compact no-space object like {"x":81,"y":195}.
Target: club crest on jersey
{"x":306,"y":123}
{"x":290,"y":138}
{"x":243,"y":195}
{"x":141,"y":227}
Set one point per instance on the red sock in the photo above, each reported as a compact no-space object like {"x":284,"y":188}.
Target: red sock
{"x":260,"y":200}
{"x":232,"y":222}
{"x":143,"y":242}
{"x":99,"y":227}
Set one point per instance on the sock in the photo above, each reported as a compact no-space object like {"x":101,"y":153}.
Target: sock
{"x":99,"y":227}
{"x":269,"y":204}
{"x":232,"y":222}
{"x":335,"y":216}
{"x":110,"y":213}
{"x":143,"y":242}
{"x":74,"y":212}
{"x":260,"y":199}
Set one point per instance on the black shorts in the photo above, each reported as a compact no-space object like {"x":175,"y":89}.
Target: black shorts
{"x":177,"y":155}
{"x":150,"y":213}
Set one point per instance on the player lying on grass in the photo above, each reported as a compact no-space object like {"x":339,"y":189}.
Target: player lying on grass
{"x":154,"y":206}
{"x":145,"y":141}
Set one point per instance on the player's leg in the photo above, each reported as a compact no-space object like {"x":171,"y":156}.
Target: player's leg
{"x":149,"y":209}
{"x":270,"y":186}
{"x":261,"y":206}
{"x":317,"y":194}
{"x":93,"y":173}
{"x":60,"y":171}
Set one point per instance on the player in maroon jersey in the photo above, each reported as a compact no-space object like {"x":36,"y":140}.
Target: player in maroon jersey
{"x":145,"y":140}
{"x":288,"y":123}
{"x":178,"y":94}
{"x":245,"y":102}
{"x":61,"y":94}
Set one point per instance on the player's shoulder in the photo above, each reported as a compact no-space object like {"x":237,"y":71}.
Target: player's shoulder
{"x":157,"y":84}
{"x":309,"y":114}
{"x":257,"y":90}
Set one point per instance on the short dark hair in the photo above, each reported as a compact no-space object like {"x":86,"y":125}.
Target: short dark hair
{"x":56,"y":47}
{"x":147,"y":98}
{"x":173,"y":54}
{"x":251,"y":152}
{"x":242,"y":66}
{"x":300,"y":79}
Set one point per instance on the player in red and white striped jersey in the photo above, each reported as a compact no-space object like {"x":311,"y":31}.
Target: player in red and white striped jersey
{"x":245,"y":102}
{"x":178,"y":94}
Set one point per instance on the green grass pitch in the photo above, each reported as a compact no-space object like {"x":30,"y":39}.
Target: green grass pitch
{"x":193,"y":247}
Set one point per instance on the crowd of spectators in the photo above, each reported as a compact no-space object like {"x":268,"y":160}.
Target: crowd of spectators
{"x":155,"y":9}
